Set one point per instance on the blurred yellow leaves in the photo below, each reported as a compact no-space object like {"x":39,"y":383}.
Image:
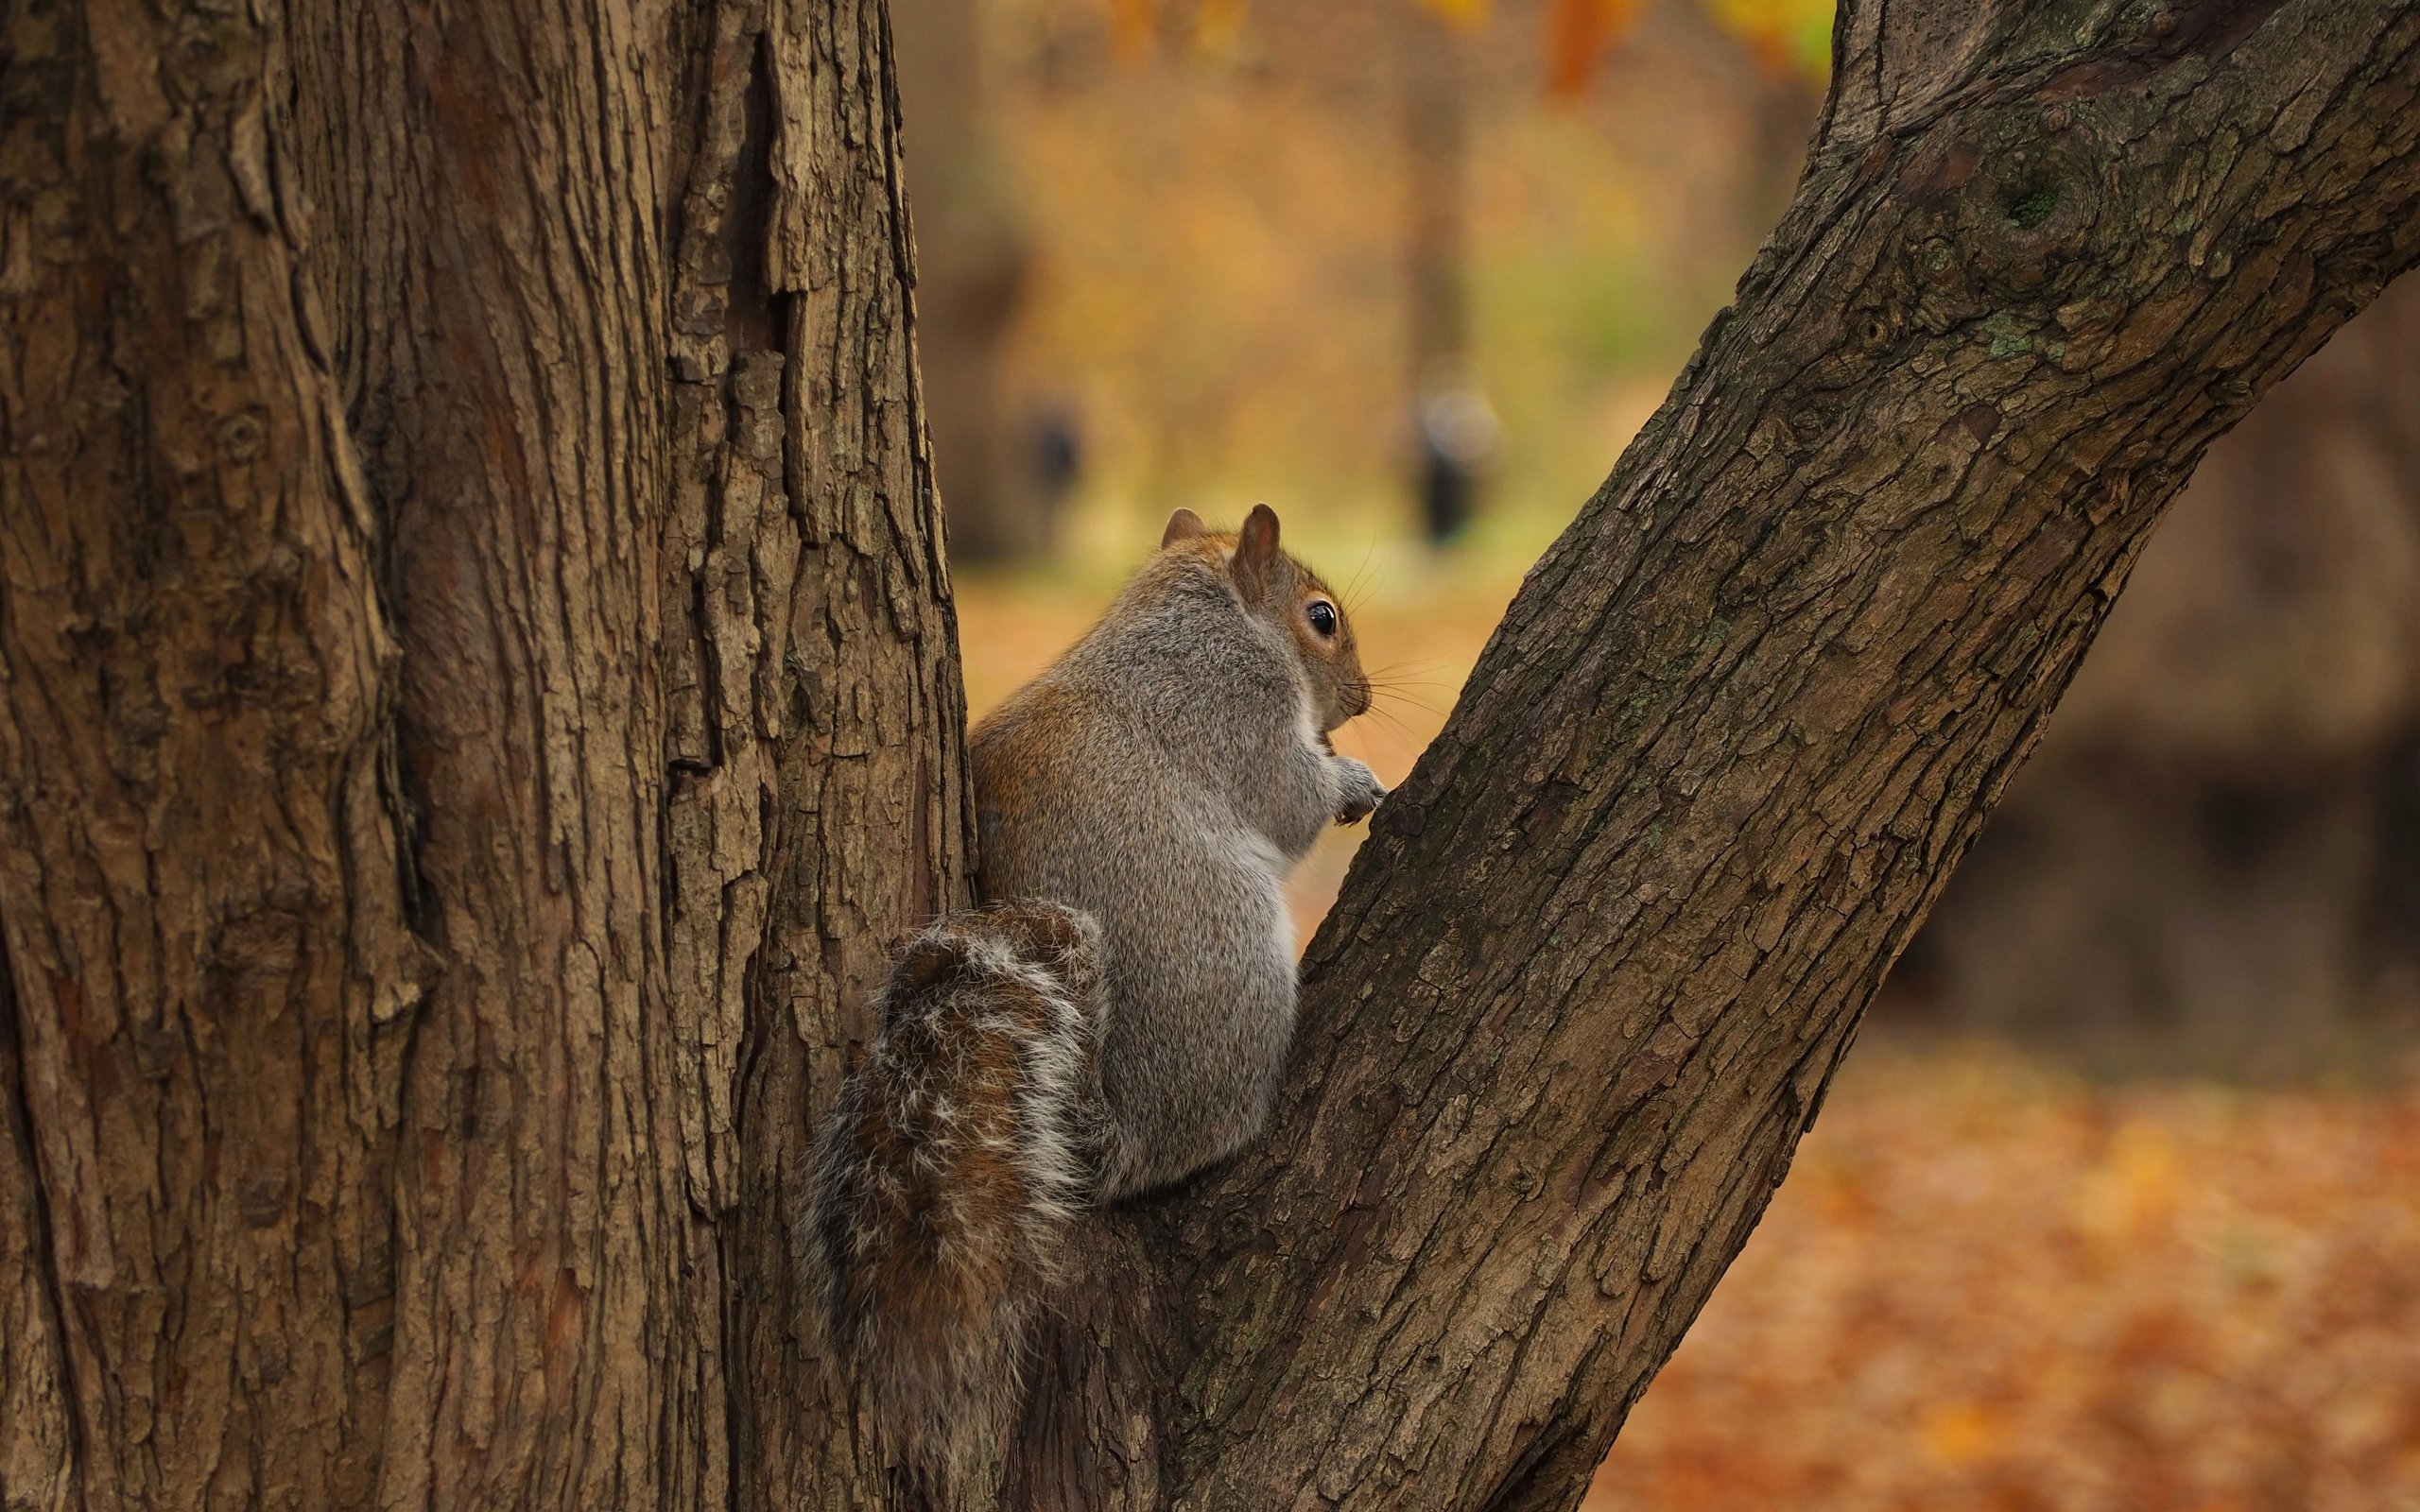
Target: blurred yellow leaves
{"x":1218,"y":24}
{"x":2133,"y":1188}
{"x":1784,"y":36}
{"x":1129,"y":26}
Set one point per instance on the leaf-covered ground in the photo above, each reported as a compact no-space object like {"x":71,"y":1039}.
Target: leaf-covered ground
{"x":1989,"y":1285}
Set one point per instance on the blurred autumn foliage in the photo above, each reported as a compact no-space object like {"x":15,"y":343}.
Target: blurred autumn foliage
{"x":2003,"y":1275}
{"x":1182,"y":233}
{"x":1991,"y":1287}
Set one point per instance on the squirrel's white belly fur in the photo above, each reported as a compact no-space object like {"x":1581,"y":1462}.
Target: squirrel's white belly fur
{"x":1258,"y":853}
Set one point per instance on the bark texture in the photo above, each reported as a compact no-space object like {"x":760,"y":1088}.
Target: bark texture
{"x":477,"y":692}
{"x":213,"y":977}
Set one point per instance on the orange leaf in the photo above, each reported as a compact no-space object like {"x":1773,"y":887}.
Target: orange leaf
{"x":1579,"y":33}
{"x":1962,"y":1434}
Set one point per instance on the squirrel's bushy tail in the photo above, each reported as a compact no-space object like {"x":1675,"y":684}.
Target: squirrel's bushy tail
{"x":959,"y":1151}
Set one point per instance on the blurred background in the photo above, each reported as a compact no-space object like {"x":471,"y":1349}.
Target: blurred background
{"x":2117,"y":1204}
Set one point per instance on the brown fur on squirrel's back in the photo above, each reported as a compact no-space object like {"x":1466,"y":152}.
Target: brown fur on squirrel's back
{"x":961,"y":1149}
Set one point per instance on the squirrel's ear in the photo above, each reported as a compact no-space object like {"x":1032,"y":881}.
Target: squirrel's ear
{"x":1182,"y":525}
{"x":1257,"y":549}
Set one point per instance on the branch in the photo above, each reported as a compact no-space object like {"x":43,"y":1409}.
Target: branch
{"x":1592,"y":973}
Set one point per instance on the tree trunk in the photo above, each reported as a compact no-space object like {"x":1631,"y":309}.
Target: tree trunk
{"x":477,"y":690}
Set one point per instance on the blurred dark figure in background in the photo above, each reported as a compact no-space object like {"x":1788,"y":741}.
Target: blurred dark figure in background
{"x":2213,"y":859}
{"x":1456,"y":434}
{"x":1452,"y":426}
{"x":1056,"y":458}
{"x":971,"y":264}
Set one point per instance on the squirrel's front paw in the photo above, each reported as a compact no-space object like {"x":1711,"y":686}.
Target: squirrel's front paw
{"x":1358,"y":790}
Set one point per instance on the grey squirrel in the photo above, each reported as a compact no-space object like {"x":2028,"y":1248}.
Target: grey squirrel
{"x":1116,"y":1016}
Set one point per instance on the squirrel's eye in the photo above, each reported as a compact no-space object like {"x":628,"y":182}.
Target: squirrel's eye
{"x":1322,"y":615}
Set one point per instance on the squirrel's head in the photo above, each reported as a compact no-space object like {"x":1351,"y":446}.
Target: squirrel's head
{"x":1281,"y":589}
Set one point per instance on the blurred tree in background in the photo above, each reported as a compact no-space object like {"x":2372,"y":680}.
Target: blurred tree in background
{"x":971,"y":269}
{"x":1393,"y":222}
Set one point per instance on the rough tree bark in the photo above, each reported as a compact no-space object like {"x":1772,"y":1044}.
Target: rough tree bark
{"x":478,"y":691}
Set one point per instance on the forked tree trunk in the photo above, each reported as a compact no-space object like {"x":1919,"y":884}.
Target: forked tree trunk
{"x":478,"y":691}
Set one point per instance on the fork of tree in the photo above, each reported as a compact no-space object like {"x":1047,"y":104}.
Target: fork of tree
{"x":478,"y":693}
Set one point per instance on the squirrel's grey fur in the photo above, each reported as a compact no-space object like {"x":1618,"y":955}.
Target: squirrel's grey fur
{"x":1118,"y":1015}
